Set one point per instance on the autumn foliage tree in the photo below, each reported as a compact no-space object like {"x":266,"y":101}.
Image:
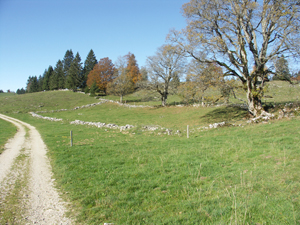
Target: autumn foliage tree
{"x":120,"y":86}
{"x":102,"y":74}
{"x":132,"y":68}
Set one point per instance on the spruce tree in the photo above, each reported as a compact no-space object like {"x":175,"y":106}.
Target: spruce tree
{"x":89,"y":64}
{"x":32,"y":84}
{"x":40,"y":83}
{"x":20,"y":91}
{"x":67,"y":61}
{"x":94,"y":89}
{"x":47,"y":75}
{"x":74,"y":72}
{"x":58,"y":79}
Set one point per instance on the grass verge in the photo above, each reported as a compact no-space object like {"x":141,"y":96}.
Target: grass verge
{"x":7,"y":131}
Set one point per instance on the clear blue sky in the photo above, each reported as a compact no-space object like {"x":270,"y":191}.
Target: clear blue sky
{"x":36,"y":33}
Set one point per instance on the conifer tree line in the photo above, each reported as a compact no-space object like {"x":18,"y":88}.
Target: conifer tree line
{"x":92,"y":75}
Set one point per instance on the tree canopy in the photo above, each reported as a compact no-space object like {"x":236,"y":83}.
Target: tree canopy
{"x":132,"y":68}
{"x":89,"y":64}
{"x":74,"y":73}
{"x":102,"y":74}
{"x":238,"y":35}
{"x":167,"y":63}
{"x":282,"y":69}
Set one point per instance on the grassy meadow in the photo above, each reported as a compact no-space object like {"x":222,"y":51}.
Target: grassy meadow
{"x":42,"y":101}
{"x":246,"y":174}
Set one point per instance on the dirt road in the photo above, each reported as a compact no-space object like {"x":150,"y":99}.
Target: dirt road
{"x":27,"y":192}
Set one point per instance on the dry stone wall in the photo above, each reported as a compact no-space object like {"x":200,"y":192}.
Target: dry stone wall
{"x":45,"y":117}
{"x":101,"y":125}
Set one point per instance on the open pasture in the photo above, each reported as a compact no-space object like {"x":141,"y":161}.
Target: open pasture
{"x":245,"y":174}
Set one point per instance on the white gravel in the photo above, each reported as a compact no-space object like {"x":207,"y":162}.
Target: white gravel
{"x":43,"y":203}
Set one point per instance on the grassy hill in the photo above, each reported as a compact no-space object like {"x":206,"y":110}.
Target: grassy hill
{"x":245,"y":174}
{"x":42,"y":101}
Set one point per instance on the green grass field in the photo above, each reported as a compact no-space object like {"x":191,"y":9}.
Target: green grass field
{"x":221,"y":176}
{"x":170,"y":117}
{"x":7,"y":131}
{"x":42,"y":101}
{"x":232,"y":175}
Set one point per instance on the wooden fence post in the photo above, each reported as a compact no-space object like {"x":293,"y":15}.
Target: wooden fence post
{"x":71,"y":138}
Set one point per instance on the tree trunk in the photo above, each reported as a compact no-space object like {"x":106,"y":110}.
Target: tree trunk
{"x":254,"y":100}
{"x":163,"y":101}
{"x":164,"y":97}
{"x":121,"y":98}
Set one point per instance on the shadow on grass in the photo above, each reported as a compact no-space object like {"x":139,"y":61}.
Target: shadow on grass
{"x":174,"y":103}
{"x":228,"y":113}
{"x":273,"y":107}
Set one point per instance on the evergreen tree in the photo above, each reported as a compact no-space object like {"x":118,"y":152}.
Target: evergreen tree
{"x":282,"y":69}
{"x":40,"y":83}
{"x":67,"y":61}
{"x":57,"y":80}
{"x":89,"y":64}
{"x":94,"y":89}
{"x":32,"y":84}
{"x":47,"y":75}
{"x":20,"y":91}
{"x":74,"y":72}
{"x":53,"y":82}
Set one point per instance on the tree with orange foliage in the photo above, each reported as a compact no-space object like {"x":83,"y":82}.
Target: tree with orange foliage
{"x":102,"y":74}
{"x":132,"y":69}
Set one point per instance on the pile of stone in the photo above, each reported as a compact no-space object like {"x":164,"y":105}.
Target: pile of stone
{"x":162,"y":130}
{"x":52,"y":111}
{"x":216,"y":125}
{"x":289,"y":110}
{"x":126,"y":127}
{"x":102,"y":125}
{"x":151,"y":128}
{"x":45,"y":117}
{"x":98,"y":103}
{"x":264,"y":117}
{"x":125,"y":105}
{"x":88,"y":105}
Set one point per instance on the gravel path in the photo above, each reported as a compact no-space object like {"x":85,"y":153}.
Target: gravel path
{"x":40,"y":202}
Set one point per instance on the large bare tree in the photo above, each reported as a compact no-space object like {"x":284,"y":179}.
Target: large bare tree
{"x":123,"y":83}
{"x":242,"y":36}
{"x":167,"y":63}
